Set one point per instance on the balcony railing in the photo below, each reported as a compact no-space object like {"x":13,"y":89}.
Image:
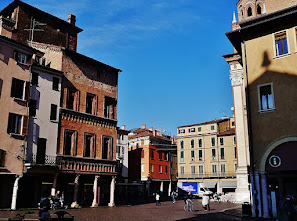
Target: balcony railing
{"x":36,"y":160}
{"x":206,"y":175}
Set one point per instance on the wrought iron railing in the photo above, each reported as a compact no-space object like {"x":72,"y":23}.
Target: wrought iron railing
{"x":46,"y":160}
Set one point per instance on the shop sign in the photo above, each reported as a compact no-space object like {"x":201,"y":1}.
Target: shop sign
{"x":275,"y":161}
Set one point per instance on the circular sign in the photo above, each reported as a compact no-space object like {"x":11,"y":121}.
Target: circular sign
{"x":275,"y":161}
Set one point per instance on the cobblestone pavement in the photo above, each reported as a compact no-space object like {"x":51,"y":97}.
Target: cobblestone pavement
{"x":167,"y":211}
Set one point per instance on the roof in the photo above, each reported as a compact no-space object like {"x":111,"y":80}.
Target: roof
{"x":81,"y":56}
{"x":144,"y":132}
{"x":227,"y":132}
{"x":208,"y":122}
{"x":16,"y":3}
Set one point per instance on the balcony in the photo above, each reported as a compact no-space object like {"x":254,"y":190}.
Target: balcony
{"x":206,"y":175}
{"x":45,"y":160}
{"x":70,"y":164}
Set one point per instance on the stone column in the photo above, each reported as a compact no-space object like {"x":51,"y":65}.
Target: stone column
{"x":264,"y":195}
{"x":112,"y":187}
{"x":236,"y":77}
{"x":53,"y":191}
{"x":15,"y":191}
{"x":258,"y":192}
{"x":95,"y":191}
{"x":169,"y":188}
{"x":75,"y":204}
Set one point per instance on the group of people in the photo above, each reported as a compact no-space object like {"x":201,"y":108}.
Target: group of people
{"x":187,"y":199}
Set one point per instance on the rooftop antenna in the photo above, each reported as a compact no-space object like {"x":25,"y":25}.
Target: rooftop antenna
{"x":32,"y":28}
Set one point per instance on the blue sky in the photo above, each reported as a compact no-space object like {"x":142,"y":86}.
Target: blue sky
{"x":170,"y":53}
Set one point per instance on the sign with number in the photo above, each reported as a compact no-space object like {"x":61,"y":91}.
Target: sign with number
{"x":275,"y":161}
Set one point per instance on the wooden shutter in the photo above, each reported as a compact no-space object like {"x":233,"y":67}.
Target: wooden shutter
{"x":280,"y":36}
{"x":27,"y":91}
{"x":25,"y":125}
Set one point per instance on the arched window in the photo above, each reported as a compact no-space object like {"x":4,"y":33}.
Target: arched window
{"x":242,"y":14}
{"x":259,"y":10}
{"x":249,"y":11}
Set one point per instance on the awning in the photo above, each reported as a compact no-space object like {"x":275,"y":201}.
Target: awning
{"x":228,"y":184}
{"x":211,"y":184}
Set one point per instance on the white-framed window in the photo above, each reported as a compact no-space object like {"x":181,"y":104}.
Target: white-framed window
{"x":182,"y":170}
{"x":221,"y":141}
{"x":181,"y":131}
{"x":182,"y":159}
{"x":223,"y":169}
{"x":182,"y":144}
{"x":193,"y":170}
{"x":266,"y":97}
{"x":192,"y":130}
{"x":213,"y":141}
{"x":142,"y":168}
{"x":20,"y":89}
{"x":222,"y":150}
{"x":17,"y":124}
{"x":281,"y":43}
{"x":200,"y":142}
{"x":200,"y":155}
{"x":200,"y":168}
{"x":22,"y":58}
{"x":192,"y":143}
{"x":213,"y":154}
{"x":214,"y":170}
{"x":192,"y":155}
{"x":199,"y":129}
{"x":212,"y":127}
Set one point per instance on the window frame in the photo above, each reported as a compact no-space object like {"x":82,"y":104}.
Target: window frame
{"x":214,"y":169}
{"x":260,"y":99}
{"x":222,"y":156}
{"x":192,"y":142}
{"x":213,"y":150}
{"x":160,"y":169}
{"x":213,"y":144}
{"x":221,"y":141}
{"x":51,"y":113}
{"x":56,"y":84}
{"x":200,"y":155}
{"x":182,"y":156}
{"x":182,"y":144}
{"x":277,"y":55}
{"x":200,"y":142}
{"x":3,"y":157}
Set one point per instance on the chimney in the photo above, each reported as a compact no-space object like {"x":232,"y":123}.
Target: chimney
{"x":123,"y":127}
{"x":71,"y":19}
{"x":143,"y":126}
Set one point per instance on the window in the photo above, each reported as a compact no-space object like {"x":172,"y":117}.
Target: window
{"x":160,"y":156}
{"x":2,"y":158}
{"x":34,"y":78}
{"x":235,"y":152}
{"x":70,"y":143}
{"x":281,"y":43}
{"x":20,"y":89}
{"x":181,"y":131}
{"x":182,"y":156}
{"x":90,"y":145}
{"x":151,"y":168}
{"x":21,"y":58}
{"x":212,"y":127}
{"x":142,"y":168}
{"x":223,"y":169}
{"x":160,"y":169}
{"x":182,"y":144}
{"x":32,"y":107}
{"x":107,"y":148}
{"x":17,"y":124}
{"x":249,"y":11}
{"x":266,"y":100}
{"x":53,"y":116}
{"x":166,"y":169}
{"x":72,"y":99}
{"x":213,"y":154}
{"x":182,"y":170}
{"x":222,"y":153}
{"x":152,"y":154}
{"x":200,"y":155}
{"x":199,"y":129}
{"x":214,"y":170}
{"x":233,"y":123}
{"x":200,"y":142}
{"x":109,"y":107}
{"x":193,"y":170}
{"x":234,"y":140}
{"x":192,"y":155}
{"x":200,"y":170}
{"x":166,"y":156}
{"x":137,"y":145}
{"x":221,"y":141}
{"x":259,"y":10}
{"x":191,"y":130}
{"x":55,"y":84}
{"x":91,"y":104}
{"x":213,"y":141}
{"x":192,"y":144}
{"x":235,"y":167}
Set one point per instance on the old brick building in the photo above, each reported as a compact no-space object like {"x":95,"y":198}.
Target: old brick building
{"x":86,"y":159}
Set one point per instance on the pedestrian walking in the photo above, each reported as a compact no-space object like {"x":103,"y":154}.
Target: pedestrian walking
{"x":205,"y":202}
{"x":44,"y":207}
{"x":173,"y":195}
{"x":158,"y":199}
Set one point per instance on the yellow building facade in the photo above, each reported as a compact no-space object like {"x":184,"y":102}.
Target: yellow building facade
{"x":207,"y":154}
